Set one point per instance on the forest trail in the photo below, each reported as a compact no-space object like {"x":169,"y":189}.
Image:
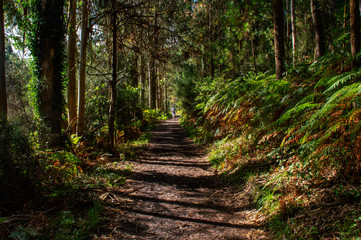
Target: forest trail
{"x":172,"y":193}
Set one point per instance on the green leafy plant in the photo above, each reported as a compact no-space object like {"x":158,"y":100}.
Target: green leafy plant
{"x":68,"y":225}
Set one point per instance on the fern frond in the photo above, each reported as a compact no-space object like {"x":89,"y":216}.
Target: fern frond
{"x":323,"y":82}
{"x":341,"y":80}
{"x":337,"y":97}
{"x":296,"y":112}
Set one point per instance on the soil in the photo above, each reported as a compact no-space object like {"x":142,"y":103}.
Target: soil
{"x":173,"y":193}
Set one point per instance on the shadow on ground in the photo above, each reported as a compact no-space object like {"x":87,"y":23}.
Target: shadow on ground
{"x":174,"y":194}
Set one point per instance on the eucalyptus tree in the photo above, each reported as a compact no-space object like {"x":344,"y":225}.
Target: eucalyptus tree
{"x":293,"y":30}
{"x":82,"y":68}
{"x":3,"y":97}
{"x":114,"y":81}
{"x":47,"y":48}
{"x":355,"y":30}
{"x":279,"y":38}
{"x":72,"y":50}
{"x":152,"y":62}
{"x":318,"y":28}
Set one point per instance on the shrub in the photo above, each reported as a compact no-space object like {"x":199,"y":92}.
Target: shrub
{"x":18,"y":167}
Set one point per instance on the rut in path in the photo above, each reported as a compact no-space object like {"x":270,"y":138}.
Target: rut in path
{"x":173,"y":193}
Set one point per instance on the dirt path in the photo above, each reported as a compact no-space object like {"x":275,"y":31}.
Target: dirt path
{"x":172,"y":193}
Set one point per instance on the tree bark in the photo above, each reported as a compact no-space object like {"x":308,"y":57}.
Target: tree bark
{"x":253,"y":52}
{"x":293,"y":31}
{"x":344,"y":23}
{"x":152,"y":83}
{"x":113,"y":84}
{"x":47,"y":46}
{"x":318,"y":26}
{"x":142,"y":80}
{"x":82,"y":68}
{"x":152,"y":66}
{"x":211,"y":38}
{"x":355,"y":30}
{"x":158,"y":92}
{"x":134,"y":72}
{"x":72,"y":101}
{"x":166,"y":97}
{"x":279,"y":38}
{"x":3,"y":98}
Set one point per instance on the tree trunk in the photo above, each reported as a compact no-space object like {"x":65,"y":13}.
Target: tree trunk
{"x":212,"y":64}
{"x":152,"y":84}
{"x":47,"y":48}
{"x":279,"y":38}
{"x":166,"y":97}
{"x":355,"y":30}
{"x":152,"y":67}
{"x":287,"y":19}
{"x":344,"y":24}
{"x":158,"y":92}
{"x":318,"y":26}
{"x":82,"y":68}
{"x":72,"y":103}
{"x":134,"y":72}
{"x":113,"y":84}
{"x":293,"y":31}
{"x":142,"y":80}
{"x":253,"y":51}
{"x":3,"y":98}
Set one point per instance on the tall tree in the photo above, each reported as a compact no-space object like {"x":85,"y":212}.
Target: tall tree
{"x":293,"y":31}
{"x":3,"y":98}
{"x":319,"y":30}
{"x":355,"y":30}
{"x":72,"y":110}
{"x":279,"y":38}
{"x":153,"y":65}
{"x":142,"y":76}
{"x":152,"y":83}
{"x":47,"y":47}
{"x":82,"y":68}
{"x":113,"y":82}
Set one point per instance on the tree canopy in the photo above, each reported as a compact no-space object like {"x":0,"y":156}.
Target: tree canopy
{"x":274,"y":84}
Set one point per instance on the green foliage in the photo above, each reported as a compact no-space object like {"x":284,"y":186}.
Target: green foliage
{"x":268,"y":201}
{"x":315,"y":124}
{"x":302,"y":132}
{"x":224,"y":151}
{"x":61,"y":172}
{"x":186,"y":82}
{"x":18,"y":168}
{"x":153,"y":115}
{"x":128,"y":106}
{"x":69,"y":224}
{"x":18,"y":76}
{"x":96,"y":112}
{"x":23,"y":233}
{"x":111,"y":177}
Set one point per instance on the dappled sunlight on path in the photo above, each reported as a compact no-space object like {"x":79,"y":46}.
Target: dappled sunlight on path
{"x":173,"y":193}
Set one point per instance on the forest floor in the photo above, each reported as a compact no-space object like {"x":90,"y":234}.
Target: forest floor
{"x":173,"y":193}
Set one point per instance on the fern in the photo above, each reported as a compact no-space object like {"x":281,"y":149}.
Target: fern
{"x":296,"y":112}
{"x":340,"y":80}
{"x":337,"y":97}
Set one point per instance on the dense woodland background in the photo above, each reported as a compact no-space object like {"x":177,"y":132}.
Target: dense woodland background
{"x":272,"y":86}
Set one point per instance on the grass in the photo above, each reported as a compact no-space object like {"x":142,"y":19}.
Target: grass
{"x":72,"y":224}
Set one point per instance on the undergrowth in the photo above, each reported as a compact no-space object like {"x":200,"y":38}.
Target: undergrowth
{"x":290,"y":144}
{"x":68,"y":181}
